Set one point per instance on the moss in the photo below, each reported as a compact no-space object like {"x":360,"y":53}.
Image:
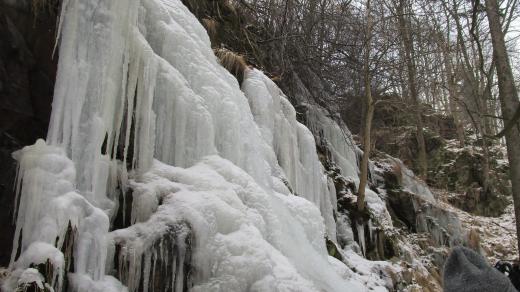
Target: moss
{"x":459,"y":170}
{"x":333,"y":249}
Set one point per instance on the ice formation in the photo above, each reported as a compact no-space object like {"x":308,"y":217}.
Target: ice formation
{"x":337,"y":139}
{"x":227,"y":191}
{"x":293,"y":144}
{"x":412,"y":184}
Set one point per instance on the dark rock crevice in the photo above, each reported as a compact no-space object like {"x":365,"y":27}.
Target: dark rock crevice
{"x":27,"y":76}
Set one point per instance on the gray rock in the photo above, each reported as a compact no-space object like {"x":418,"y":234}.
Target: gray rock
{"x":466,"y":271}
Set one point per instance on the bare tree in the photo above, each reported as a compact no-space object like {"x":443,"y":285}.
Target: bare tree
{"x":407,"y":39}
{"x":508,"y":100}
{"x":369,"y":111}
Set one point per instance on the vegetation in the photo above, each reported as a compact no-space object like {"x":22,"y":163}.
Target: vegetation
{"x":233,"y":62}
{"x":439,"y":67}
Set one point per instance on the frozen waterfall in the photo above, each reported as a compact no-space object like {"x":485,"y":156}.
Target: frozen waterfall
{"x":227,"y":191}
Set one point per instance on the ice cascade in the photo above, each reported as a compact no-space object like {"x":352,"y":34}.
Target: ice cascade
{"x":218,"y":189}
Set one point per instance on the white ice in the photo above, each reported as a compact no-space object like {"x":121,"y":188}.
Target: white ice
{"x":338,"y":140}
{"x":138,"y":81}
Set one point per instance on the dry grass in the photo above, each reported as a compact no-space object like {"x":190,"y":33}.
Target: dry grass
{"x":233,"y":62}
{"x":398,"y":172}
{"x":228,"y":6}
{"x":473,"y":240}
{"x":208,"y":7}
{"x":211,"y":27}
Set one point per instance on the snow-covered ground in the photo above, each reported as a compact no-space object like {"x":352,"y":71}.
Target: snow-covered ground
{"x":497,"y":235}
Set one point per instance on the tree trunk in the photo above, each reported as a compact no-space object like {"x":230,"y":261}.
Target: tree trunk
{"x":451,"y":99}
{"x":412,"y":85}
{"x":369,"y":113}
{"x":508,"y":101}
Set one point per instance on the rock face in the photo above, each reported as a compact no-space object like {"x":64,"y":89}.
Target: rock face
{"x":459,"y":170}
{"x":413,"y":206}
{"x":27,"y":74}
{"x":420,"y":215}
{"x":454,"y":168}
{"x":450,"y":166}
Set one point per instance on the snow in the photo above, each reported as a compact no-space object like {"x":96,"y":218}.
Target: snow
{"x":368,"y":272}
{"x":497,"y":235}
{"x":156,"y":114}
{"x":39,"y":253}
{"x":377,"y":206}
{"x":26,"y":278}
{"x":245,"y":237}
{"x":31,"y":276}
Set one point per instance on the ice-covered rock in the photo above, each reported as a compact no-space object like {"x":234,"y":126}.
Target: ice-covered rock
{"x":142,"y":109}
{"x":160,"y":173}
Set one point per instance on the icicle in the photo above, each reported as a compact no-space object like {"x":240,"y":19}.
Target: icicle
{"x":370,"y":232}
{"x":293,"y":143}
{"x":337,"y":138}
{"x":139,"y":90}
{"x":361,"y":237}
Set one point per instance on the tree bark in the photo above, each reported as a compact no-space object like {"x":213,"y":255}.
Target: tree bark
{"x":508,"y":101}
{"x":451,"y":99}
{"x":369,"y":113}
